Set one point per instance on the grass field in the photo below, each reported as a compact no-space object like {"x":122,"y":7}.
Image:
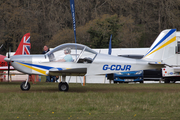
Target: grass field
{"x":92,"y":101}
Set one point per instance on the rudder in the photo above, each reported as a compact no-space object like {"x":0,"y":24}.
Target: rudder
{"x":164,"y":46}
{"x":24,"y":46}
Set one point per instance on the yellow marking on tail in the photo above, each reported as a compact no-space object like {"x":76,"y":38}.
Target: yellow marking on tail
{"x":165,"y":44}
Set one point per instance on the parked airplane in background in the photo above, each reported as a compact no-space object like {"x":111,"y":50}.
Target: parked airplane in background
{"x":23,"y":49}
{"x":88,"y":62}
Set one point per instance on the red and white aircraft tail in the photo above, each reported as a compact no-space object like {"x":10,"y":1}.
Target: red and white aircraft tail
{"x":24,"y":46}
{"x":23,"y":49}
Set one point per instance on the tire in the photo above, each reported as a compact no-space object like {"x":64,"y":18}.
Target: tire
{"x":25,"y":88}
{"x":63,"y":86}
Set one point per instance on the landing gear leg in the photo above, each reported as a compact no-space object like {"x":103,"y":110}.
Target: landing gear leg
{"x":63,"y":86}
{"x":25,"y":86}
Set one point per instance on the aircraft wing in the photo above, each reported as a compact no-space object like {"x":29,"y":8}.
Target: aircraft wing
{"x":69,"y":71}
{"x":2,"y":58}
{"x":12,"y":73}
{"x":4,"y":68}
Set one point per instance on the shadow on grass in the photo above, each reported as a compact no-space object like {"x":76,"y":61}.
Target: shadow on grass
{"x":77,"y":88}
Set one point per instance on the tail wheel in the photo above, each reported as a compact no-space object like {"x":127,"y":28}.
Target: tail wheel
{"x":63,"y":86}
{"x":25,"y":88}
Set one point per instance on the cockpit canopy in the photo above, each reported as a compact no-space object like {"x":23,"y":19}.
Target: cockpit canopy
{"x":80,"y":53}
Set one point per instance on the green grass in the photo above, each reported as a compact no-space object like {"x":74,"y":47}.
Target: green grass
{"x":93,"y":101}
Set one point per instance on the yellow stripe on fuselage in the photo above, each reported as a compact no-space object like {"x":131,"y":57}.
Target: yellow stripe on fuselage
{"x":30,"y":67}
{"x":165,"y":44}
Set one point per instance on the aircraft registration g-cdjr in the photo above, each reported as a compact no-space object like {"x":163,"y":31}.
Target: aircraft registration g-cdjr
{"x":117,"y":67}
{"x":88,"y":62}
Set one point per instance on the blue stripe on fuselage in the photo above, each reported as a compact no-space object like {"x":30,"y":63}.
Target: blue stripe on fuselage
{"x":40,"y":66}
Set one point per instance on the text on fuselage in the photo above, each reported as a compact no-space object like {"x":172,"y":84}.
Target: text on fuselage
{"x":117,"y":67}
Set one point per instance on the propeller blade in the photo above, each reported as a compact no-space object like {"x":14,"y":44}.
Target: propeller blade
{"x":9,"y":63}
{"x":8,"y":70}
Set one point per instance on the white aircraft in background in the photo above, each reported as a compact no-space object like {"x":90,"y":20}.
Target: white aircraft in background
{"x":88,"y":62}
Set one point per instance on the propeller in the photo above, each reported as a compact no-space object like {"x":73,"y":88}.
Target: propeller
{"x":8,"y":60}
{"x":8,"y":63}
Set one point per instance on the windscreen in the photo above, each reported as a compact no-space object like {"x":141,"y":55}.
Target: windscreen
{"x":79,"y":53}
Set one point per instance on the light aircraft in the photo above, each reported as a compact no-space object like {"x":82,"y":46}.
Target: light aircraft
{"x":23,"y":49}
{"x":88,"y":62}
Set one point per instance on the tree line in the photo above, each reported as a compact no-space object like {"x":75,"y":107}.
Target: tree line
{"x":132,"y":23}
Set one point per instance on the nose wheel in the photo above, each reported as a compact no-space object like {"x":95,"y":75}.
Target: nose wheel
{"x":63,"y":86}
{"x":25,"y":86}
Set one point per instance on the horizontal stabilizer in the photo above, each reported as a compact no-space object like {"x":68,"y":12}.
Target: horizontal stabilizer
{"x":176,"y":69}
{"x":157,"y":63}
{"x":6,"y":68}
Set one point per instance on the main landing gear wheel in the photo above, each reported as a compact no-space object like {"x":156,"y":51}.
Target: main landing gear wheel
{"x":63,"y":86}
{"x":25,"y":88}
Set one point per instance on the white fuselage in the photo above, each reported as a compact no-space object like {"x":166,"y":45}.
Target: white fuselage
{"x":102,"y":64}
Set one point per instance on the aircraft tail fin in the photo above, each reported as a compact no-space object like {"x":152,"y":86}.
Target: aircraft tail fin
{"x":164,"y":47}
{"x":24,"y":46}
